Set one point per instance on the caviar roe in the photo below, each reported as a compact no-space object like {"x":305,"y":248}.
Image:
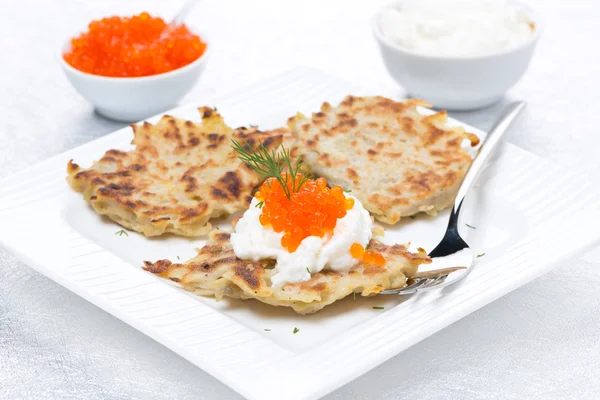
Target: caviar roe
{"x":367,"y":256}
{"x":312,"y":210}
{"x":133,"y":46}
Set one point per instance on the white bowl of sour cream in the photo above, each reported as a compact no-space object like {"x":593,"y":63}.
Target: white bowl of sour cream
{"x":456,"y":54}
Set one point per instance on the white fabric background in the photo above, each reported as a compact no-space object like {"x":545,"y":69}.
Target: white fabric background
{"x":541,"y":341}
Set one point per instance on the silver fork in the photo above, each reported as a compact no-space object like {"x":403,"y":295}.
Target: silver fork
{"x":453,"y":253}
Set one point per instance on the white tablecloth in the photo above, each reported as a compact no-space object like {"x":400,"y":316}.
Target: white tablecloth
{"x":541,"y":341}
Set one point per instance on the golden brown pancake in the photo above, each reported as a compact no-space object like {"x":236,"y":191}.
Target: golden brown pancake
{"x":216,"y":271}
{"x":179,"y":176}
{"x":396,"y":161}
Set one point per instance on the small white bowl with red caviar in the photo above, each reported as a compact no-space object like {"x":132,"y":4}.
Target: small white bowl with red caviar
{"x":131,"y":99}
{"x":456,"y":54}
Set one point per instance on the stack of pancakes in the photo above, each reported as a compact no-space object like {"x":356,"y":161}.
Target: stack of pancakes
{"x":181,"y":174}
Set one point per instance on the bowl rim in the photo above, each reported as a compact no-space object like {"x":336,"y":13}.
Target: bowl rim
{"x":535,"y":17}
{"x":134,"y":79}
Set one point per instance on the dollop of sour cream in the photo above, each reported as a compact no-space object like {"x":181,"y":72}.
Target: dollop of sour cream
{"x":252,"y":241}
{"x":456,"y":27}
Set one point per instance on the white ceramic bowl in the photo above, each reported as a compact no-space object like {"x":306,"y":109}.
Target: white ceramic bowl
{"x":461,"y":82}
{"x":134,"y":99}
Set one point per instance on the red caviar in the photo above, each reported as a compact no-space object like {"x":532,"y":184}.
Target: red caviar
{"x":367,"y":256}
{"x":312,"y":210}
{"x":133,"y":46}
{"x":357,"y":251}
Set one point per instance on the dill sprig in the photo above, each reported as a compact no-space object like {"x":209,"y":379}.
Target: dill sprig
{"x":273,"y":164}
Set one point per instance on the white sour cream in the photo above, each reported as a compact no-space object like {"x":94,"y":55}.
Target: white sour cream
{"x":456,"y":27}
{"x":252,"y":241}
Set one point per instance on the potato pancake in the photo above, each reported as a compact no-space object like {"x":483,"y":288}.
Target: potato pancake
{"x":179,"y":176}
{"x":396,"y":161}
{"x":216,"y":271}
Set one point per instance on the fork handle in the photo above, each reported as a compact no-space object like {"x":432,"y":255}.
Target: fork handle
{"x":508,"y":116}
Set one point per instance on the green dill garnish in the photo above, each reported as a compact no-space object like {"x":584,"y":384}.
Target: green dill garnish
{"x":377,"y":308}
{"x":178,"y":258}
{"x":267,"y":329}
{"x":307,"y":270}
{"x":480,"y":255}
{"x":348,"y":190}
{"x":122,"y":232}
{"x":216,"y":251}
{"x":272,"y":164}
{"x":296,"y":330}
{"x":260,"y":204}
{"x":412,"y":217}
{"x":367,"y":246}
{"x":354,"y":295}
{"x":470,"y":226}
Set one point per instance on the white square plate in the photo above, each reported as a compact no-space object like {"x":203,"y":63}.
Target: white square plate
{"x":529,"y":216}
